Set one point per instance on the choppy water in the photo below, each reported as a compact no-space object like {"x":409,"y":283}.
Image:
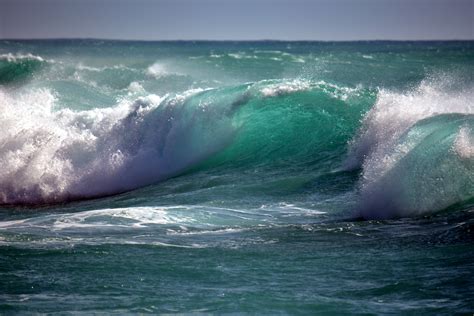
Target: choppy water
{"x":259,"y":177}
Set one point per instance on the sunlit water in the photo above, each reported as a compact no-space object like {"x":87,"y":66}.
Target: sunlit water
{"x":223,"y":177}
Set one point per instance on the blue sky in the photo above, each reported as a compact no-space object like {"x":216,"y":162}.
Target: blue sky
{"x":238,"y":20}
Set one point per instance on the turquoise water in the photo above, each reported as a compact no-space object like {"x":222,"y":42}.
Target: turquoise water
{"x":236,"y":177}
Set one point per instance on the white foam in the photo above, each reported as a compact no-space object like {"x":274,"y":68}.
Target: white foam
{"x":135,"y":87}
{"x":138,"y":217}
{"x":291,"y":210}
{"x":50,"y":156}
{"x":89,"y":68}
{"x":17,"y":57}
{"x":157,"y":70}
{"x":298,"y":60}
{"x":81,"y":66}
{"x":178,"y":218}
{"x":285,"y":88}
{"x":242,"y":55}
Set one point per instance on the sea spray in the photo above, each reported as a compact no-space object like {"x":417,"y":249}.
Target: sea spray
{"x":406,"y":148}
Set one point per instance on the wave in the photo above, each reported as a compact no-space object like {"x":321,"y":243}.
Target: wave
{"x":18,"y":67}
{"x":416,"y":152}
{"x":52,"y":155}
{"x":415,"y":149}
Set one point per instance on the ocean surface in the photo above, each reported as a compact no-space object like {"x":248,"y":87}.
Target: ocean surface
{"x":236,"y":177}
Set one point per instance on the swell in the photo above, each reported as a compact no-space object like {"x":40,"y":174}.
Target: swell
{"x":50,"y":155}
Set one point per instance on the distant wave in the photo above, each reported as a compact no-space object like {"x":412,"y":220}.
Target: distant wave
{"x":20,"y":57}
{"x":14,"y":67}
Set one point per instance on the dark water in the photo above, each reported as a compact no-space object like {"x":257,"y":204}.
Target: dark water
{"x":236,"y":177}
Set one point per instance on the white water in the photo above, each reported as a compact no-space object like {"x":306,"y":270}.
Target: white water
{"x":51,"y":156}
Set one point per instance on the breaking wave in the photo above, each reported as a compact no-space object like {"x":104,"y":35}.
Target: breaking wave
{"x":416,"y":151}
{"x":14,"y":67}
{"x":51,"y":154}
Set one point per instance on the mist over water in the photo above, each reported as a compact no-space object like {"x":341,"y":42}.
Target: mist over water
{"x":287,"y":177}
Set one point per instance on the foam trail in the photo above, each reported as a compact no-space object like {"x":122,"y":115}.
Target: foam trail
{"x":415,"y":150}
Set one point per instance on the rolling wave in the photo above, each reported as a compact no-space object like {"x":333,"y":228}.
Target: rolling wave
{"x":53,"y":155}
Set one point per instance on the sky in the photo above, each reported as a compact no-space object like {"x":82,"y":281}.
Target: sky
{"x":238,"y":20}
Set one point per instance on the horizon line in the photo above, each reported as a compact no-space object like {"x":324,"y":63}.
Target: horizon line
{"x":235,"y":40}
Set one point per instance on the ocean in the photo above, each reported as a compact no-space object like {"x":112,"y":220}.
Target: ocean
{"x":261,"y":177}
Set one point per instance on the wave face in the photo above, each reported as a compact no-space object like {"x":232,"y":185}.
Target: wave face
{"x":294,"y":122}
{"x":415,"y":151}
